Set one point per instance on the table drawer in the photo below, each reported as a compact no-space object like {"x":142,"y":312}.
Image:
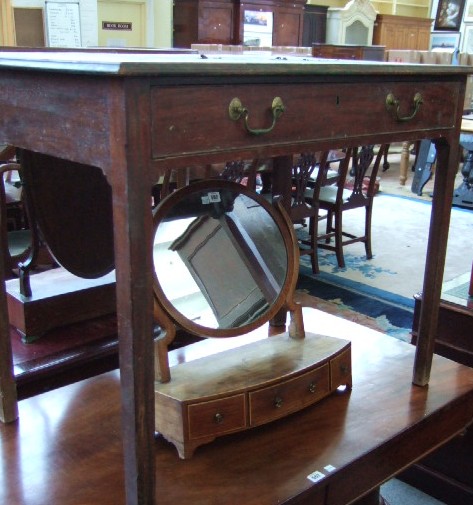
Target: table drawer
{"x":340,"y":370}
{"x":217,"y":416}
{"x":279,"y":400}
{"x":190,"y":120}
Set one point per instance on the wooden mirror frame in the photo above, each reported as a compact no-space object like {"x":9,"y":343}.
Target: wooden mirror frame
{"x":169,"y":317}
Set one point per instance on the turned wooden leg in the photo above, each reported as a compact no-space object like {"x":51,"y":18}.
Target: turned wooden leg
{"x":404,"y":165}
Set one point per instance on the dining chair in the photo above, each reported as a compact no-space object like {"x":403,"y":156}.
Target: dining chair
{"x":15,"y":234}
{"x":309,"y":174}
{"x":357,"y":191}
{"x":241,"y":171}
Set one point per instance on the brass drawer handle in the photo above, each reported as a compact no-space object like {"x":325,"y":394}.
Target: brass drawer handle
{"x":312,"y":387}
{"x":218,"y":418}
{"x":278,"y":402}
{"x":236,"y":110}
{"x":393,"y":105}
{"x":344,"y":369}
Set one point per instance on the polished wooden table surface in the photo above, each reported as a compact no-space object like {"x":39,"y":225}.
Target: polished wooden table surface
{"x":133,"y":116}
{"x":66,"y":447}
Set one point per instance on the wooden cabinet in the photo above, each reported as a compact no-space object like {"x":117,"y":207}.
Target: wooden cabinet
{"x":288,"y":19}
{"x":348,"y":52}
{"x":204,"y":21}
{"x":221,"y":21}
{"x":402,"y":32}
{"x":314,"y":25}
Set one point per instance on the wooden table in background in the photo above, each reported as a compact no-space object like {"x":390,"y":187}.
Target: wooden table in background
{"x":133,"y":116}
{"x":447,"y":473}
{"x":66,"y":449}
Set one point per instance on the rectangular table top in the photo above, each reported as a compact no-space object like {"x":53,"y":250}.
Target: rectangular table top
{"x":176,"y":63}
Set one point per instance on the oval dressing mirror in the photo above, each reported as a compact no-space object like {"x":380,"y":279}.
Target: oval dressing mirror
{"x":225,"y":262}
{"x":223,"y":258}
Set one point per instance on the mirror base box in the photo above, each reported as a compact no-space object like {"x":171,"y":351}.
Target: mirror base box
{"x":248,"y":386}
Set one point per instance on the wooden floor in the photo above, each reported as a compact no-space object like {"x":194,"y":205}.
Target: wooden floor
{"x":66,"y":449}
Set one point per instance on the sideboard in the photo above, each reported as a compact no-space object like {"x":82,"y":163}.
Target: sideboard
{"x":132,"y":116}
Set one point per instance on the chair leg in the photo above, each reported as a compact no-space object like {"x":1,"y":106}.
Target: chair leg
{"x":339,"y":239}
{"x":313,"y":232}
{"x":369,"y":213}
{"x":329,"y":227}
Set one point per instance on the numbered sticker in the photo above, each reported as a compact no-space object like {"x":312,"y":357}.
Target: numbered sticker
{"x":211,"y":197}
{"x":316,"y":476}
{"x":214,"y":197}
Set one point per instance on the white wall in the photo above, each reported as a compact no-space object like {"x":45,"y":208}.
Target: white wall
{"x":163,"y":23}
{"x":159,"y":20}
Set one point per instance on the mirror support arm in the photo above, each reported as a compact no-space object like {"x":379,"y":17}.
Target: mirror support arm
{"x":296,"y":324}
{"x":162,"y":372}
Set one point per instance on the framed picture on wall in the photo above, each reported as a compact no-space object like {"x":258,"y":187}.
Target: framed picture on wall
{"x":468,"y":18}
{"x":449,"y":15}
{"x":467,"y":46}
{"x":443,"y":41}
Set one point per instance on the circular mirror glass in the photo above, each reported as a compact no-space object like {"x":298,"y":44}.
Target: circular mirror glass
{"x":221,"y":258}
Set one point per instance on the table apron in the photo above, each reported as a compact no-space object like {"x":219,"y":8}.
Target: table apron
{"x":192,"y":120}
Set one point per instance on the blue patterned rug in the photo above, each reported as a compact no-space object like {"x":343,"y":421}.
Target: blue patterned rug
{"x":382,"y":289}
{"x":384,"y":311}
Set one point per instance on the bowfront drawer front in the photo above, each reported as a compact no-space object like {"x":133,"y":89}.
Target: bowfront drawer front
{"x":340,"y":370}
{"x":279,"y":400}
{"x":204,"y":119}
{"x":217,"y":416}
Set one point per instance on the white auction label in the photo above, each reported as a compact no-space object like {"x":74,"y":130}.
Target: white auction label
{"x":316,"y":476}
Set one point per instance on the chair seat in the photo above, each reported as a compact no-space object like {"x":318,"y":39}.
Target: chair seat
{"x":346,"y":193}
{"x":330,"y":177}
{"x":328,"y":194}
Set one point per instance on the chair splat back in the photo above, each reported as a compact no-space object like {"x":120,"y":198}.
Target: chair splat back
{"x":361,"y":162}
{"x":358,"y":191}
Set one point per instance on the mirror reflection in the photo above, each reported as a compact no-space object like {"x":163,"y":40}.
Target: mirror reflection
{"x":219,"y":257}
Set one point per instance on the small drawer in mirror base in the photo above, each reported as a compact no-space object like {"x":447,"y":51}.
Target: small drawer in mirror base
{"x":250,"y":385}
